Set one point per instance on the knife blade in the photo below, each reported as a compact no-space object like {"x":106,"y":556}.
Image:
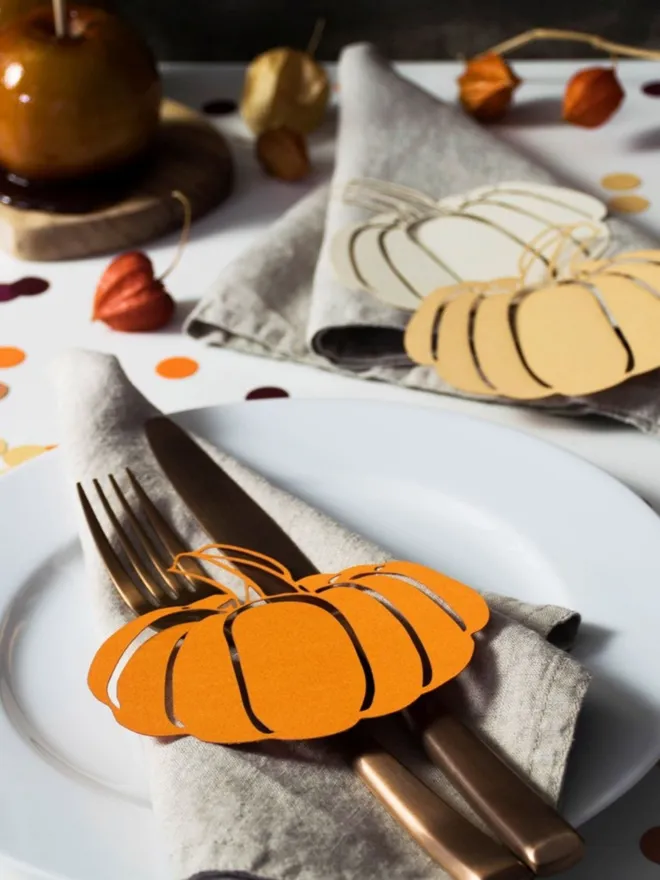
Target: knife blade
{"x":535,"y":832}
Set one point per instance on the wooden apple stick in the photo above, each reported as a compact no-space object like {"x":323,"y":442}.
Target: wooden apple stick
{"x":60,"y":16}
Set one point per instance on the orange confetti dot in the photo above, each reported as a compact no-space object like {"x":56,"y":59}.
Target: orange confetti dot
{"x":628,"y":204}
{"x":11,"y":357}
{"x":4,"y":390}
{"x":177,"y":368}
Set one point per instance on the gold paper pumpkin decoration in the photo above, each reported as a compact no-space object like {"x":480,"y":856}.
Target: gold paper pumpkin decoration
{"x":416,"y":244}
{"x":573,"y":336}
{"x":309,"y":662}
{"x":284,"y":88}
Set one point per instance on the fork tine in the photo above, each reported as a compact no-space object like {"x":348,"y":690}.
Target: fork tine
{"x":140,"y":569}
{"x":172,"y":586}
{"x":165,"y":532}
{"x":123,"y":582}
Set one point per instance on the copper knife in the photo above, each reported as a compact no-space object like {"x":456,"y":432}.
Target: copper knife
{"x":518,"y":816}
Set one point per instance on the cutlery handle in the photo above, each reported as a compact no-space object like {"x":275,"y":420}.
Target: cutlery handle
{"x":465,"y":852}
{"x":517,"y":815}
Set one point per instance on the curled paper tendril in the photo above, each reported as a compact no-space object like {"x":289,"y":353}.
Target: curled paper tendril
{"x":580,"y":249}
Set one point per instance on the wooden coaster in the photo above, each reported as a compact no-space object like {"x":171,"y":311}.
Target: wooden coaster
{"x":192,"y":157}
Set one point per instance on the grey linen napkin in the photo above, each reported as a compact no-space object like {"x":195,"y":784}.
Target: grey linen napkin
{"x":281,"y":298}
{"x":294,"y":811}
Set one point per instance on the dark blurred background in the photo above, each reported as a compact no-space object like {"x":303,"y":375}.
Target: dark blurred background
{"x":236,"y":30}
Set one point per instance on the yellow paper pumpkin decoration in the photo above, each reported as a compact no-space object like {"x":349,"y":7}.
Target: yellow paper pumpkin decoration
{"x":309,"y":662}
{"x":576,"y":335}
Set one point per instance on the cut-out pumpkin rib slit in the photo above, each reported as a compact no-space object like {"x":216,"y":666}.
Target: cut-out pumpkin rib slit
{"x":427,"y":669}
{"x":407,"y":579}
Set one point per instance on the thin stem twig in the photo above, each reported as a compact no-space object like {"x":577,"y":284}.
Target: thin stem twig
{"x":60,"y":16}
{"x":315,"y":39}
{"x":575,"y":36}
{"x":185,"y":232}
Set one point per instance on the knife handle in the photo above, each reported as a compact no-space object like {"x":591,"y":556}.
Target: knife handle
{"x":461,"y":849}
{"x":517,"y":815}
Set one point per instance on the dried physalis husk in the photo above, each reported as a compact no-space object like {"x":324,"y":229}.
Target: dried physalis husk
{"x":592,"y":96}
{"x":283,"y":154}
{"x":284,"y":88}
{"x":487,"y":86}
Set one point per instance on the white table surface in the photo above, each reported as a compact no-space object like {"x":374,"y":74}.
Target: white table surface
{"x":47,"y":324}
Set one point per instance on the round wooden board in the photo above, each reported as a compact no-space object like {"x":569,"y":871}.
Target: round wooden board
{"x":194,"y":158}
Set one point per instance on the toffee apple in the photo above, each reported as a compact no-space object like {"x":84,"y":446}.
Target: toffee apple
{"x":76,"y":104}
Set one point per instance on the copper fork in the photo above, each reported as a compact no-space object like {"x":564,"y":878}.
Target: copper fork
{"x":144,"y":583}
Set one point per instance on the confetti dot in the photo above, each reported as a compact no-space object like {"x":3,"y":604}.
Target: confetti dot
{"x":4,"y":390}
{"x":20,"y":454}
{"x":220,"y":107}
{"x":177,"y":368}
{"x":11,"y":357}
{"x":3,"y":446}
{"x":652,"y":88}
{"x":650,"y":845}
{"x":23,"y":287}
{"x":266,"y":392}
{"x":628,"y":204}
{"x":30,"y":286}
{"x":621,"y":181}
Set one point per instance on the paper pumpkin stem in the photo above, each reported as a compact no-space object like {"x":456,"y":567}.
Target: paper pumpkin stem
{"x":380,"y":196}
{"x":583,"y":241}
{"x":228,"y":558}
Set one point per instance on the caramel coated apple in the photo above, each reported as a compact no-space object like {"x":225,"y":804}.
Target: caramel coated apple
{"x":77,"y":105}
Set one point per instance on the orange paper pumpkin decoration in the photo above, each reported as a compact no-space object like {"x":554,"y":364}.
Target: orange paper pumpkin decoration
{"x":309,"y":662}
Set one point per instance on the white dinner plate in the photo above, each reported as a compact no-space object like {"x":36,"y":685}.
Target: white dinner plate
{"x":490,"y":506}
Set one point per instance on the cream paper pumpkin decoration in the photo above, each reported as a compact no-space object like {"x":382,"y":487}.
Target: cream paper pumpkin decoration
{"x":414,"y":244}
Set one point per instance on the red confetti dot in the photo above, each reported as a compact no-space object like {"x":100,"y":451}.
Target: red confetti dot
{"x":652,"y":88}
{"x":30,"y":286}
{"x":266,"y":392}
{"x":220,"y":107}
{"x":650,"y":845}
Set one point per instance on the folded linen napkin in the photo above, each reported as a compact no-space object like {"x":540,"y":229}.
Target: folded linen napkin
{"x":295,"y":811}
{"x":281,"y":298}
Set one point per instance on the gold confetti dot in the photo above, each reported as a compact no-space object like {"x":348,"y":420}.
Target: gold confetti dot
{"x":628,"y":204}
{"x":19,"y":454}
{"x":621,"y":181}
{"x":177,"y":367}
{"x":3,"y":446}
{"x":11,"y":357}
{"x":4,"y":390}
